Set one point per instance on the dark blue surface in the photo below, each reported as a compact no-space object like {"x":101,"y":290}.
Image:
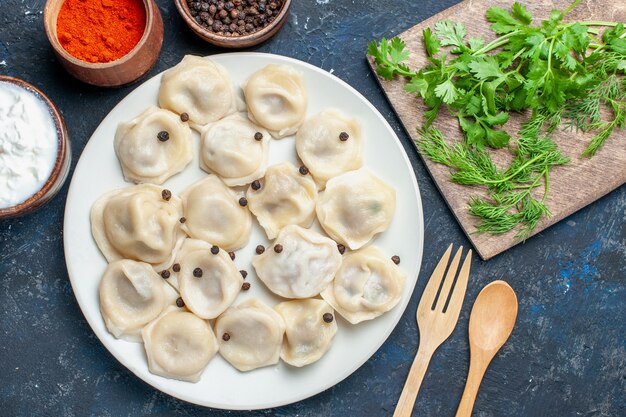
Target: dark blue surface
{"x":567,"y":354}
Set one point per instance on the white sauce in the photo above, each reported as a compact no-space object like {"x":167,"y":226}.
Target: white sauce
{"x":28,"y":144}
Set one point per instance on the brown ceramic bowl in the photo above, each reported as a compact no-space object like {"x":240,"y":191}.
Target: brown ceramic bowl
{"x":61,"y":166}
{"x":233,"y":41}
{"x":125,"y":70}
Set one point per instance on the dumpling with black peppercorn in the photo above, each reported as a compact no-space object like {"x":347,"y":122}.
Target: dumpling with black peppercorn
{"x":131,"y":295}
{"x":367,"y":285}
{"x":329,"y":144}
{"x":206,"y":277}
{"x":300,"y":264}
{"x":277,"y":99}
{"x":179,"y":345}
{"x":250,"y":335}
{"x":310,"y":328}
{"x":141,"y":222}
{"x":355,"y":207}
{"x":283,"y":197}
{"x":200,"y":88}
{"x":235,"y":149}
{"x":153,"y":146}
{"x":214,"y":213}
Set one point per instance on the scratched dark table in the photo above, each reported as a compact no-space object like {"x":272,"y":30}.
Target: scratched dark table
{"x":566,"y":356}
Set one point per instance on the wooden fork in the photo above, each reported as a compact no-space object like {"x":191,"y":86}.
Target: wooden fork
{"x":436,"y":319}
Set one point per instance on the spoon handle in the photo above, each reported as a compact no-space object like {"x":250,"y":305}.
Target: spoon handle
{"x":475,"y":376}
{"x":404,"y":408}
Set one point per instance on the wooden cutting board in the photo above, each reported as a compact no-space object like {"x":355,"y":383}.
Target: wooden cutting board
{"x":572,"y":186}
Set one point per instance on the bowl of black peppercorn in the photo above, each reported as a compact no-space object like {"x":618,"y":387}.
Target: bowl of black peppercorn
{"x":234,"y":23}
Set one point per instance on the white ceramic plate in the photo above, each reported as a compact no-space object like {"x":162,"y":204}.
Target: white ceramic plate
{"x":222,"y":386}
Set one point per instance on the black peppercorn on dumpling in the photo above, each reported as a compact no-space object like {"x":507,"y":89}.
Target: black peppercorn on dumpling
{"x":153,"y":146}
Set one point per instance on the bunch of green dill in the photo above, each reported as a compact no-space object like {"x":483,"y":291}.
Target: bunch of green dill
{"x":564,"y":73}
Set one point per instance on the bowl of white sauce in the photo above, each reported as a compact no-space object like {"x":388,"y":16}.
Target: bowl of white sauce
{"x":34,"y":148}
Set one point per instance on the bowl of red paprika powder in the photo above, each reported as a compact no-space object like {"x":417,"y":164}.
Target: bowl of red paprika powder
{"x":107,"y":43}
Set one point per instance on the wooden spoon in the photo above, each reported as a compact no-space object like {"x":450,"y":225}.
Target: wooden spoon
{"x":491,"y":323}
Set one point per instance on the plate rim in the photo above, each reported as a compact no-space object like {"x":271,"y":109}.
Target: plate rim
{"x":336,"y":378}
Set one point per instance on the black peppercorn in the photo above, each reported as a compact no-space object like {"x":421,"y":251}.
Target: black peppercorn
{"x":182,"y":220}
{"x":163,"y":136}
{"x":245,"y":286}
{"x":303,"y":170}
{"x":278,"y":248}
{"x":343,"y":136}
{"x":232,"y":255}
{"x":197,"y":272}
{"x":328,"y":318}
{"x":184,"y":117}
{"x":243,"y":201}
{"x":243,"y":273}
{"x":256,"y":185}
{"x":258,"y":136}
{"x":176,"y":267}
{"x":341,"y":248}
{"x":165,"y":274}
{"x":395,"y":259}
{"x":180,"y":303}
{"x":215,"y":250}
{"x":225,"y":337}
{"x":166,"y":194}
{"x":260,"y":249}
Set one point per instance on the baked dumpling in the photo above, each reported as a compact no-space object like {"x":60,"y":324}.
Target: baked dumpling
{"x":199,"y":87}
{"x":356,"y":206}
{"x":213,"y":214}
{"x":132,"y":294}
{"x":330,"y":144}
{"x":153,"y":146}
{"x":179,"y":345}
{"x":250,"y":335}
{"x":277,"y":98}
{"x":141,"y":222}
{"x":310,"y":328}
{"x":206,"y":278}
{"x":285,"y":197}
{"x":299,"y":264}
{"x":235,"y":149}
{"x":367,"y":285}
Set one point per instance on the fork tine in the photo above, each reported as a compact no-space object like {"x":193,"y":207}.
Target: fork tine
{"x":449,"y":280}
{"x":434,"y":282}
{"x":456,"y":299}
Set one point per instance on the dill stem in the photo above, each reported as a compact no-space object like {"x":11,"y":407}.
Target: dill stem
{"x":511,"y":176}
{"x":546,"y":184}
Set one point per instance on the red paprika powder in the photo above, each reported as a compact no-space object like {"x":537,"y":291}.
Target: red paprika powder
{"x":100,"y":30}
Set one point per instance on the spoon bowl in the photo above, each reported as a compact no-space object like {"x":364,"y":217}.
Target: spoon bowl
{"x":493,"y":317}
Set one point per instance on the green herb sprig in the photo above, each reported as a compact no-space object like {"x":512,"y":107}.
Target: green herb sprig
{"x":564,"y":73}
